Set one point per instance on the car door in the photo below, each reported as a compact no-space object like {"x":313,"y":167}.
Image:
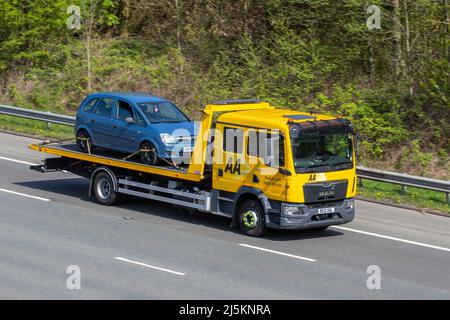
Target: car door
{"x":101,"y":122}
{"x":126,"y":135}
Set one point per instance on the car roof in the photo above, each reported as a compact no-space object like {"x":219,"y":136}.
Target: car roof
{"x":135,"y":97}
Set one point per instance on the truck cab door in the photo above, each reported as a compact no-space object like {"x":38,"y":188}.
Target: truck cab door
{"x":265,"y":163}
{"x":229,"y":168}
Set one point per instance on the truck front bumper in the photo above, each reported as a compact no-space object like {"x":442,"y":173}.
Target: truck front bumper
{"x":309,"y":216}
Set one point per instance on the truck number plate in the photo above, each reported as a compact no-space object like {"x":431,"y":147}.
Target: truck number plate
{"x":187,"y":149}
{"x":326,"y":210}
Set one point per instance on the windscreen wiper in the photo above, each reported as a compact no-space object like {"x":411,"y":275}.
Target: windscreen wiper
{"x":342,"y":163}
{"x":310,"y":168}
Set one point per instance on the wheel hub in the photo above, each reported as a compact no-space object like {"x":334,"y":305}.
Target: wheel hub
{"x":104,"y":188}
{"x":250,"y":219}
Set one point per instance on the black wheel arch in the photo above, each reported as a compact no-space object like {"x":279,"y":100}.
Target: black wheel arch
{"x":82,"y":130}
{"x":248,"y":193}
{"x":108,"y":171}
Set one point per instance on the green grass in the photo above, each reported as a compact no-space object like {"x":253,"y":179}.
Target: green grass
{"x":414,"y":196}
{"x":35,"y":127}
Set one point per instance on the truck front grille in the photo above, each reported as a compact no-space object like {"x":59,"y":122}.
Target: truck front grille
{"x":325,"y":191}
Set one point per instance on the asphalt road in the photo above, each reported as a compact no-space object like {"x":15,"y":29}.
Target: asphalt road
{"x":148,"y":250}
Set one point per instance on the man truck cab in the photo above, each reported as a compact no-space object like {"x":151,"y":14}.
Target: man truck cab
{"x":300,"y":167}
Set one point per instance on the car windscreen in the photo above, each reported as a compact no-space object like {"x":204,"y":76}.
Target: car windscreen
{"x":162,"y":112}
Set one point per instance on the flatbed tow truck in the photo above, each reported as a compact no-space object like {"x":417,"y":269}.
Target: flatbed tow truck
{"x":308,"y":183}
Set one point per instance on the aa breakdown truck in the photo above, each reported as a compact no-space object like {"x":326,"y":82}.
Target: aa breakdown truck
{"x":311,"y":186}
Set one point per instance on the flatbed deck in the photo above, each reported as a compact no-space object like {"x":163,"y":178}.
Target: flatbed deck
{"x":113,"y":159}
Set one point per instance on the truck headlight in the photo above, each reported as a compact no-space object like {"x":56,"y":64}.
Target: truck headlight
{"x":167,"y":138}
{"x":291,"y":210}
{"x":349,"y":205}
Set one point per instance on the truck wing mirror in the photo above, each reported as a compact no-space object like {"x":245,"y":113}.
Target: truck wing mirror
{"x":285,"y":172}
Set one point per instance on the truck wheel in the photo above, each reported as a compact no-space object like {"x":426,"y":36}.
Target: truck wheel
{"x":251,"y":218}
{"x":104,"y":189}
{"x":148,"y":154}
{"x":84,"y":141}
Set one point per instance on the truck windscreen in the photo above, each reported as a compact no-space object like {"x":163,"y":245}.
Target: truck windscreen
{"x":322,"y":146}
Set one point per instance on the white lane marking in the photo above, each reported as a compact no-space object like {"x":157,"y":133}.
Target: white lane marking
{"x":278,"y":252}
{"x":24,"y":195}
{"x":393,"y":238}
{"x":149,"y":266}
{"x":18,"y":161}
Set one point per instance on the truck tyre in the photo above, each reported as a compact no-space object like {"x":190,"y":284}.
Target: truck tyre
{"x":84,"y":141}
{"x":252,"y":219}
{"x":148,"y":156}
{"x":104,"y":189}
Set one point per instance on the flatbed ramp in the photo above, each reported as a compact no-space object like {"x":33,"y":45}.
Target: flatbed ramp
{"x":113,"y":159}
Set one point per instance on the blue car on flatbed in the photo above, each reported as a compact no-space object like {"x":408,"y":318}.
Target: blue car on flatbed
{"x":147,"y":125}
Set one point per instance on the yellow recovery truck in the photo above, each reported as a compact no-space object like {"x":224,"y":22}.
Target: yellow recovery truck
{"x":260,"y":166}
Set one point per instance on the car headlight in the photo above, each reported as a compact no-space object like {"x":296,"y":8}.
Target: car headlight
{"x":291,"y":210}
{"x":167,"y":138}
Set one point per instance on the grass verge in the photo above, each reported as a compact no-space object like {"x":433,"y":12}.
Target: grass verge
{"x":35,"y":127}
{"x":414,"y":196}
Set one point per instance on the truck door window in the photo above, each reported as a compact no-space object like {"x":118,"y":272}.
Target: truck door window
{"x":277,"y":153}
{"x":262,"y":145}
{"x":233,"y":140}
{"x":124,"y":111}
{"x":253,"y":143}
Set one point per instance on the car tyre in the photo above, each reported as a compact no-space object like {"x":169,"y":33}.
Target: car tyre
{"x":148,"y":154}
{"x":84,"y":141}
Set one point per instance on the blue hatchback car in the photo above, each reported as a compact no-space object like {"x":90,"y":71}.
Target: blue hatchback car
{"x":131,"y":123}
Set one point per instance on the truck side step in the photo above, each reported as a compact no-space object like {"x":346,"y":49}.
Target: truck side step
{"x":193,"y":200}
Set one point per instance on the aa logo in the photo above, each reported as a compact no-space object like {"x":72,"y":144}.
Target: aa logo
{"x":233,"y":169}
{"x":312,"y":178}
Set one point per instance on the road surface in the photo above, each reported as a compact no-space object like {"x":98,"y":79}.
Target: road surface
{"x":149,"y":250}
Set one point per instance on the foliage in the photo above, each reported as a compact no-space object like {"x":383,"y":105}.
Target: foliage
{"x":310,"y":55}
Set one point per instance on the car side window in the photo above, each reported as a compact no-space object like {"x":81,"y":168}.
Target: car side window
{"x":140,"y":120}
{"x":89,"y":107}
{"x":104,"y":107}
{"x":125,"y":110}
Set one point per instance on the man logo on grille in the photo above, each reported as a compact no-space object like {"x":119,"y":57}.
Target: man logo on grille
{"x":328,"y":192}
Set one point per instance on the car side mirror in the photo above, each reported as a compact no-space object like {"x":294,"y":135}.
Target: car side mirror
{"x":129,"y":120}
